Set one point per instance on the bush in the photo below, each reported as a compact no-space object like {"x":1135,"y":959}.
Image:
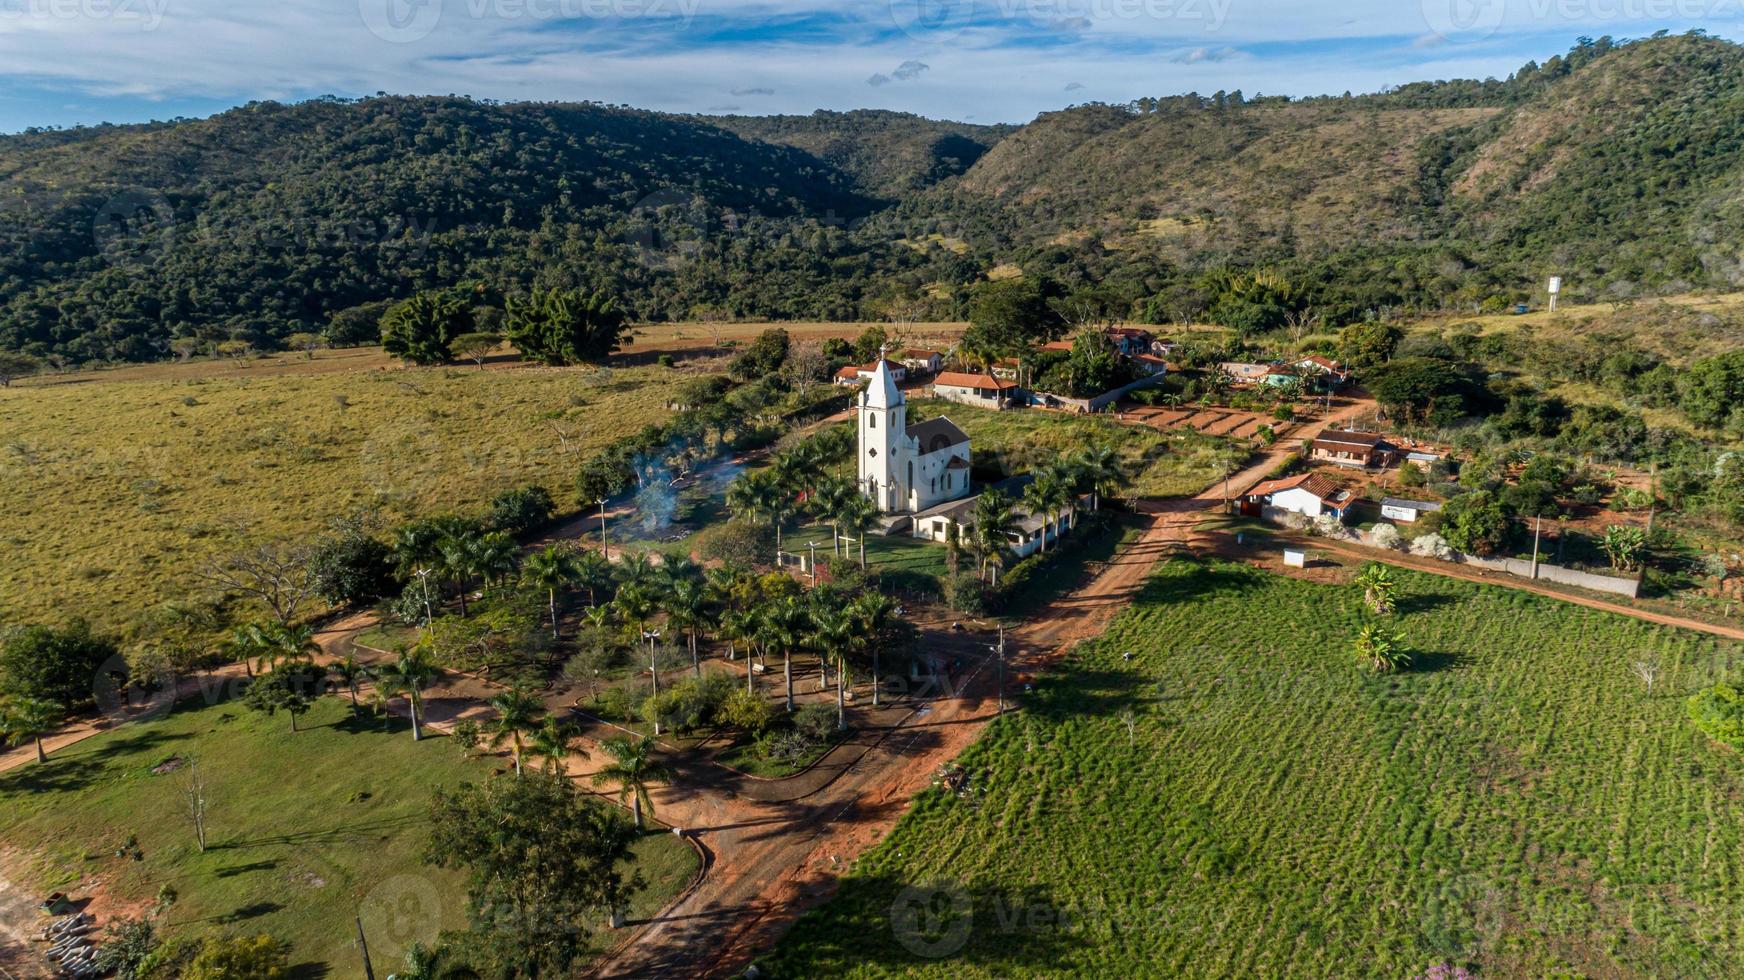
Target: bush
{"x":619,"y":703}
{"x":1432,"y":546}
{"x":353,"y":569}
{"x":746,"y":710}
{"x":1476,"y":523}
{"x":1719,"y":712}
{"x":1386,"y":536}
{"x":743,"y":543}
{"x":55,"y":665}
{"x":1412,"y":475}
{"x":408,"y":607}
{"x":522,"y":509}
{"x":691,"y":703}
{"x":965,"y":593}
{"x":816,"y":721}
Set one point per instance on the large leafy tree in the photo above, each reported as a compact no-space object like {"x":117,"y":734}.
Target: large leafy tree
{"x":566,"y":326}
{"x":54,"y":664}
{"x":537,"y":855}
{"x":292,"y":688}
{"x":420,"y":329}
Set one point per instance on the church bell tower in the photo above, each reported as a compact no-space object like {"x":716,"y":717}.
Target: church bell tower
{"x":883,"y":433}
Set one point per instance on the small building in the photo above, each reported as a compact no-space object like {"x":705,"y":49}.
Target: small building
{"x":1308,"y":494}
{"x":1007,"y":368}
{"x":1164,"y":347}
{"x":1150,"y":365}
{"x":919,"y":361}
{"x":1243,"y":372}
{"x":1353,"y":447}
{"x":1278,"y":375}
{"x":1407,"y":511}
{"x":1028,"y":531}
{"x":985,"y":390}
{"x":1324,"y":369}
{"x":1130,"y":340}
{"x":855,"y":374}
{"x":1058,"y":346}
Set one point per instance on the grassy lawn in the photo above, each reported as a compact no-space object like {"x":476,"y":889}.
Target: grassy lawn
{"x":306,"y":830}
{"x":1518,"y":802}
{"x":1162,"y":464}
{"x":896,"y":554}
{"x":121,"y":485}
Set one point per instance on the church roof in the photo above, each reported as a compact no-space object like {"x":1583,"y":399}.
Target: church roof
{"x":936,"y":434}
{"x":882,"y":392}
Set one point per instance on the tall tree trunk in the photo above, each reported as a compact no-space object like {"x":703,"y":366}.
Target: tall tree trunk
{"x":695,"y":661}
{"x":41,"y":755}
{"x":636,"y":805}
{"x":877,"y":681}
{"x":787,"y":670}
{"x":553,"y":593}
{"x":841,"y":695}
{"x":417,"y":735}
{"x":462,"y":583}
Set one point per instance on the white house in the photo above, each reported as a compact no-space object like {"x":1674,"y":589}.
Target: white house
{"x":1029,"y":529}
{"x":973,"y":389}
{"x":920,"y":361}
{"x":1407,"y":511}
{"x":853,"y":374}
{"x":1309,"y":494}
{"x":906,"y":468}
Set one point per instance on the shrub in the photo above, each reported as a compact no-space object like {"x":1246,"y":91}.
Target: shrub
{"x":408,"y":607}
{"x":353,"y":569}
{"x":746,"y":710}
{"x":1386,"y":536}
{"x":1719,"y":712}
{"x":742,"y":543}
{"x":619,"y":703}
{"x":521,"y":509}
{"x":1476,"y":523}
{"x":1412,"y":475}
{"x":54,"y":665}
{"x":1432,"y":546}
{"x":816,"y":721}
{"x":965,"y":593}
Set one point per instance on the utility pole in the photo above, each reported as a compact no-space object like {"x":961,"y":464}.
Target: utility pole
{"x":605,"y":546}
{"x":1000,"y":651}
{"x":653,"y":638}
{"x":363,"y":944}
{"x":424,"y":579}
{"x":812,"y":566}
{"x":1537,"y":531}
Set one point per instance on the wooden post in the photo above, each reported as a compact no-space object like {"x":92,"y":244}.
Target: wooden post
{"x":363,"y":944}
{"x":1537,"y":531}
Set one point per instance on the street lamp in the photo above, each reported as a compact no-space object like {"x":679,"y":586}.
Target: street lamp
{"x":605,"y":546}
{"x":652,"y":636}
{"x":424,"y":580}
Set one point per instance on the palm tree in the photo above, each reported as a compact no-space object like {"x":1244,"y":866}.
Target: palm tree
{"x":289,"y":643}
{"x":632,"y":770}
{"x":551,"y":568}
{"x":1041,"y":497}
{"x":247,"y":643}
{"x":25,"y":719}
{"x":874,"y":611}
{"x":857,"y":517}
{"x":457,"y":562}
{"x":994,"y":526}
{"x":837,"y":632}
{"x":635,"y":572}
{"x":1381,"y":648}
{"x":351,"y":672}
{"x":593,"y":572}
{"x":517,"y":715}
{"x":832,"y":498}
{"x":687,"y":609}
{"x":1101,"y":467}
{"x":551,"y":743}
{"x":1380,"y":591}
{"x":495,"y":557}
{"x":407,"y":676}
{"x":783,"y":625}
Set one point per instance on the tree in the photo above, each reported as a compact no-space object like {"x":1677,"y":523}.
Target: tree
{"x":419,"y":329}
{"x":551,"y":568}
{"x":291,"y":688}
{"x":305,"y":342}
{"x":286,"y":644}
{"x":517,"y":714}
{"x":747,"y":711}
{"x":781,"y":627}
{"x":561,"y":327}
{"x":522,"y":509}
{"x":995,"y":524}
{"x":537,"y":854}
{"x":353,"y":569}
{"x":280,"y":576}
{"x":687,"y":608}
{"x":1365,"y":345}
{"x":474,"y":347}
{"x":193,"y":793}
{"x":632,"y":770}
{"x":1380,"y":591}
{"x":1102,"y":470}
{"x":857,"y":516}
{"x":1475,"y":523}
{"x":239,"y":958}
{"x":762,"y":358}
{"x":875,"y":612}
{"x":51,"y":664}
{"x":409,"y":674}
{"x":15,"y":365}
{"x":26,"y":720}
{"x":351,"y":672}
{"x":1624,"y":545}
{"x":836,"y":633}
{"x":1719,"y":712}
{"x":1381,"y":649}
{"x":551,"y":742}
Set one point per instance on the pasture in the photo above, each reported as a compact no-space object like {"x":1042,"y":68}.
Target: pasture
{"x":306,"y":830}
{"x":121,"y":484}
{"x":1240,"y":798}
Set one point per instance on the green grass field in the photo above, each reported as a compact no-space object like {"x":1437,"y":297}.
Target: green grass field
{"x":1241,"y":799}
{"x":1161,"y":464}
{"x":119,"y":488}
{"x":306,"y":830}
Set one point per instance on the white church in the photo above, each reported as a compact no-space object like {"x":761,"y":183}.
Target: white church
{"x":918,"y":475}
{"x":907,"y":469}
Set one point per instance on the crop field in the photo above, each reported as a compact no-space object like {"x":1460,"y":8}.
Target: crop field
{"x":1162,"y":464}
{"x":1242,"y":799}
{"x":306,"y":830}
{"x":118,"y":488}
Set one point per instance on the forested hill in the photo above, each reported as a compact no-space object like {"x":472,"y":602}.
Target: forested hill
{"x":1618,"y":166}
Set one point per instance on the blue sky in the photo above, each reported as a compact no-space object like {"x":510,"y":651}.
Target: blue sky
{"x":66,"y":62}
